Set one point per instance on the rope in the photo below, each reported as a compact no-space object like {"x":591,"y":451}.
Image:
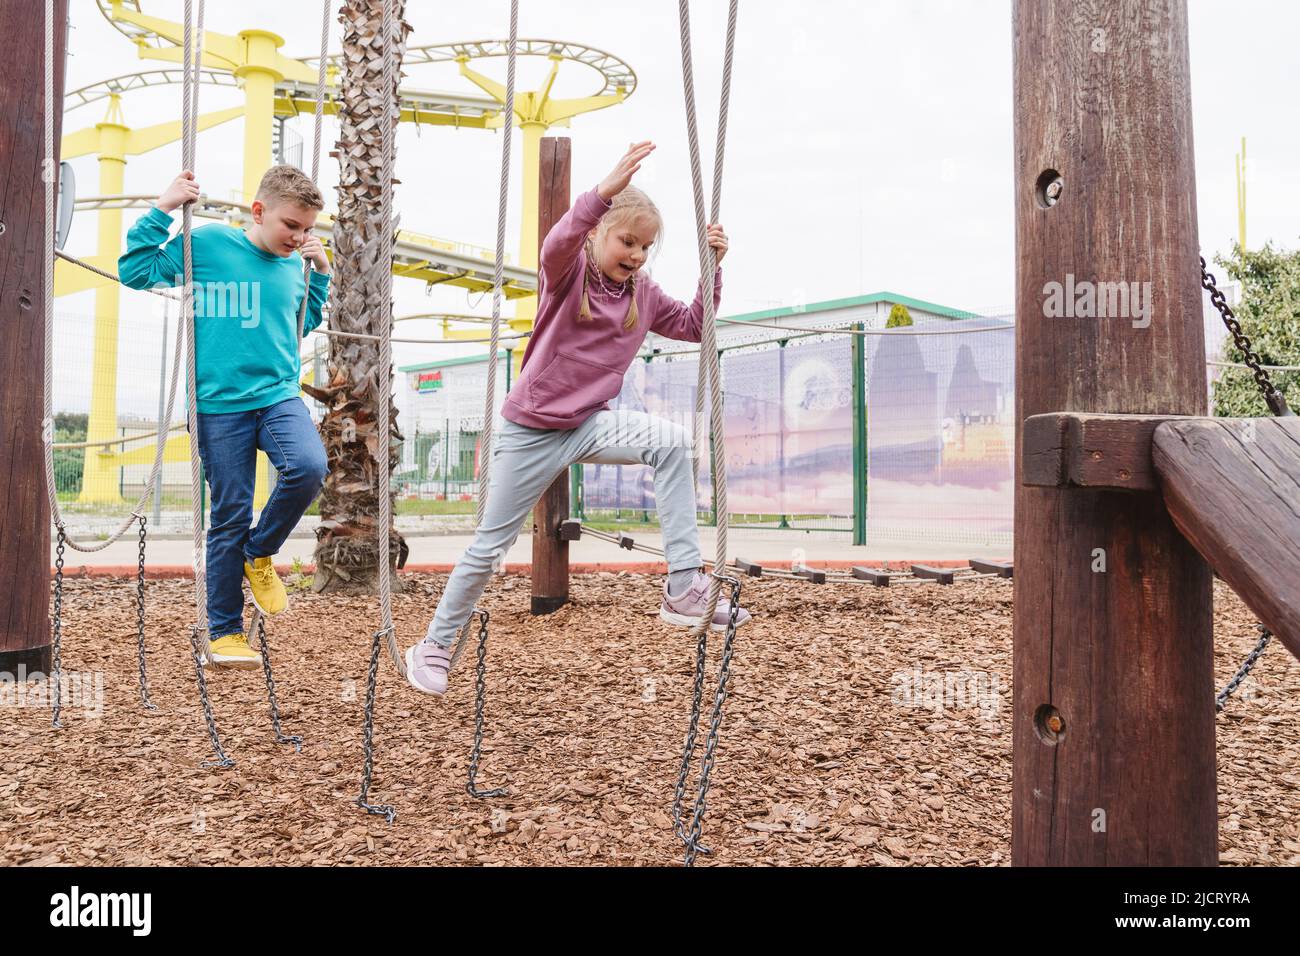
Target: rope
{"x":498,"y":279}
{"x":708,"y":267}
{"x":109,"y":275}
{"x":376,"y":338}
{"x":1270,"y":368}
{"x":315,"y":153}
{"x":805,"y":333}
{"x":47,"y":425}
{"x":189,"y":122}
{"x":121,"y":440}
{"x":840,"y":331}
{"x":489,"y":396}
{"x":897,"y":578}
{"x":385,"y":370}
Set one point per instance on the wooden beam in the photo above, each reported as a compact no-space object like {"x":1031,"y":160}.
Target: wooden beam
{"x":24,"y":507}
{"x":1232,"y":487}
{"x":1002,"y":569}
{"x":879,"y":578}
{"x":1070,"y":449}
{"x":550,"y":585}
{"x":942,"y":575}
{"x":1113,"y":727}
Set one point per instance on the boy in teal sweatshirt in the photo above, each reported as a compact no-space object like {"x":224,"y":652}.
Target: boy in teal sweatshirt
{"x":248,"y":288}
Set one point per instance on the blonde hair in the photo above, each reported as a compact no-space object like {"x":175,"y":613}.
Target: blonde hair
{"x":287,"y":183}
{"x":629,"y":205}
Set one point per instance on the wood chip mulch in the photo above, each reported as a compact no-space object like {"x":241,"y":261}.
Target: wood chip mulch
{"x":824,"y":758}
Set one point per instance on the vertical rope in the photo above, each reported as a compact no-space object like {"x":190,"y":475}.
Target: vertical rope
{"x":189,"y":114}
{"x":47,"y":274}
{"x":315,"y":153}
{"x":47,"y":265}
{"x":489,"y":406}
{"x":709,"y":365}
{"x":384,"y":378}
{"x":320,"y":88}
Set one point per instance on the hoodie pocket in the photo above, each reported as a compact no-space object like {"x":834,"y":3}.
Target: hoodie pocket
{"x":570,"y":385}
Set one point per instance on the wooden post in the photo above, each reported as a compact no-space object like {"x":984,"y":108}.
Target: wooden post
{"x":24,"y":508}
{"x":550,"y":554}
{"x":1114,"y":760}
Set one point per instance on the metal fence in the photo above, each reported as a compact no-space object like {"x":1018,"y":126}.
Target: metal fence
{"x":884,"y":439}
{"x":878,"y":439}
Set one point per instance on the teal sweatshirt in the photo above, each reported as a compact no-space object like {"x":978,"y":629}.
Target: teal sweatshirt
{"x":246,"y":305}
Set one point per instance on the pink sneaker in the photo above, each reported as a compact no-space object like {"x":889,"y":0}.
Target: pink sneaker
{"x":426,"y":668}
{"x":687,"y":608}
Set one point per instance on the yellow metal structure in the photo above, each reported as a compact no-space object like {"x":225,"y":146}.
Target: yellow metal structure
{"x":535,"y":112}
{"x":1241,"y":195}
{"x":279,"y":85}
{"x":112,"y":141}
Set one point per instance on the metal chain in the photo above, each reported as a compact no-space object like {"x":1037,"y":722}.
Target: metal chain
{"x":222,"y":760}
{"x":57,"y":676}
{"x":1278,"y":406}
{"x":480,"y":697}
{"x":139,"y":620}
{"x":688,"y":748}
{"x":1272,"y":395}
{"x":710,"y":749}
{"x":280,"y":738}
{"x":367,"y":737}
{"x":1222,"y":699}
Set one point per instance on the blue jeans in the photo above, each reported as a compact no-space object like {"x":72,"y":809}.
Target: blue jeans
{"x":228,"y":445}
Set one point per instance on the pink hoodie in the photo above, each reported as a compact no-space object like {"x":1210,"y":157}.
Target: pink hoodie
{"x":572,"y":369}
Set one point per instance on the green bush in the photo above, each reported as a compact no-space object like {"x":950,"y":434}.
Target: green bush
{"x":1269,"y":313}
{"x":69,"y":462}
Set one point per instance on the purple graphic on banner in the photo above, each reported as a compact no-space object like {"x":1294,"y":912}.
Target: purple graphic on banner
{"x":940,"y":434}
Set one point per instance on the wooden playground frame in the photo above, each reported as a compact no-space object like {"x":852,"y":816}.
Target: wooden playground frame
{"x":1126,"y":494}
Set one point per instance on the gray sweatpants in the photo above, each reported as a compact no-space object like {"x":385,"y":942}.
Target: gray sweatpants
{"x":524,"y":463}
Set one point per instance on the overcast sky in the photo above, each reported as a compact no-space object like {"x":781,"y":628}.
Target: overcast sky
{"x":869,"y":146}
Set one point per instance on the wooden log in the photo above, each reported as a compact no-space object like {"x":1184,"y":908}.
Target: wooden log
{"x":942,"y":575}
{"x":1113,"y":731}
{"x":1070,"y":449}
{"x":1232,"y":486}
{"x":24,"y":506}
{"x":811,"y":574}
{"x":550,"y":584}
{"x":749,"y":568}
{"x":1000,"y":568}
{"x":879,"y":578}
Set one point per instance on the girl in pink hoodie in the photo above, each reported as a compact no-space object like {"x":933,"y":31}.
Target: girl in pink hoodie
{"x":595,"y":308}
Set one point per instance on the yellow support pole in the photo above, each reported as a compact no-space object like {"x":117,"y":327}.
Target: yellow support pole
{"x":259,"y":104}
{"x":260,"y":49}
{"x":1241,"y":195}
{"x":113,"y":140}
{"x":99,"y":478}
{"x":526,"y":309}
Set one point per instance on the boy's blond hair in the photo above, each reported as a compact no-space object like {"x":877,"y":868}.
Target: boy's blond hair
{"x":287,"y":183}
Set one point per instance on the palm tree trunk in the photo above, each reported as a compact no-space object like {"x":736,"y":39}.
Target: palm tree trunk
{"x":347,"y":556}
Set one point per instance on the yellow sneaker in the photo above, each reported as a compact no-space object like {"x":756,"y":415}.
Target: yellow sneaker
{"x":268,"y":590}
{"x":232,"y":650}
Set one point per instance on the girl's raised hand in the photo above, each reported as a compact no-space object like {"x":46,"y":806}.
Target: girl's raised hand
{"x":718,"y":241}
{"x":617,"y":181}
